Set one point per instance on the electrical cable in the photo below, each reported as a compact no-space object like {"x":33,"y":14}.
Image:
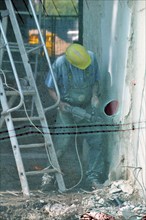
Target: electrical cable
{"x":87,"y":4}
{"x":73,"y":133}
{"x":136,"y":179}
{"x":141,"y":108}
{"x":5,"y":82}
{"x":80,"y":164}
{"x":56,"y":7}
{"x":77,"y":153}
{"x":43,"y":7}
{"x":143,"y":181}
{"x":139,"y":144}
{"x":48,"y":155}
{"x":76,"y":147}
{"x":74,"y":7}
{"x":27,"y":8}
{"x":17,"y":12}
{"x":141,"y":185}
{"x":84,"y":126}
{"x":47,"y":151}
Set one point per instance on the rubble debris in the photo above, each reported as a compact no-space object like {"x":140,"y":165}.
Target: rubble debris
{"x":114,"y":189}
{"x":59,"y":210}
{"x":125,"y":186}
{"x":121,"y":185}
{"x":72,"y":205}
{"x":13,"y":193}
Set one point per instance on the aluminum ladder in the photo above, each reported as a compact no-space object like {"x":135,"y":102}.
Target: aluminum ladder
{"x":7,"y":111}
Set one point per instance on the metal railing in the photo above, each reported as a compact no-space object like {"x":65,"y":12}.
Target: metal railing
{"x":47,"y":57}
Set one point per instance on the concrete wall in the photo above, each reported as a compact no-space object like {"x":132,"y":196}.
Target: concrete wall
{"x":115,"y":31}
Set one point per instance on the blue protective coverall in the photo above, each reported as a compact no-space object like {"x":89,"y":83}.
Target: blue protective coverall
{"x":75,"y":87}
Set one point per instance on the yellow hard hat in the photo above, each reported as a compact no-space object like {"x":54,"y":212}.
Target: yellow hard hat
{"x":78,"y":56}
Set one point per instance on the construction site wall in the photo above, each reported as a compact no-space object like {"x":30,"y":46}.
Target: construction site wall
{"x":115,"y":31}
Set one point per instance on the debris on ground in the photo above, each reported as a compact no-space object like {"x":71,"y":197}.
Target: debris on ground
{"x":118,"y":200}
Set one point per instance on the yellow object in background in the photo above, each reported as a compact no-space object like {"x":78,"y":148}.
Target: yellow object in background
{"x":34,"y":39}
{"x":54,"y":44}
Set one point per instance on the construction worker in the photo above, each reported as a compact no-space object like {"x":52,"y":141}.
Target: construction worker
{"x":77,"y":76}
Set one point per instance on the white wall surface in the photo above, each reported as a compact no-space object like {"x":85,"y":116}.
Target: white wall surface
{"x":115,"y":31}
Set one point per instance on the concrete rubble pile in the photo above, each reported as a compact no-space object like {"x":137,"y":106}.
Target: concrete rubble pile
{"x":119,"y":201}
{"x":116,"y":201}
{"x":60,"y":211}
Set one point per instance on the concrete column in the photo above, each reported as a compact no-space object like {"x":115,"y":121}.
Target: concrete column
{"x":138,"y":145}
{"x":115,"y":31}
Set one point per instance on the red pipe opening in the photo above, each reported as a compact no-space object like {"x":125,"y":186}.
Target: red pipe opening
{"x":111,"y":107}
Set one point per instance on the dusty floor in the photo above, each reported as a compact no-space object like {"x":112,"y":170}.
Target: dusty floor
{"x":118,"y":199}
{"x":14,"y":206}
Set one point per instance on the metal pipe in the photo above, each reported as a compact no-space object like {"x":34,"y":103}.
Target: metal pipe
{"x":47,"y":57}
{"x":15,"y":74}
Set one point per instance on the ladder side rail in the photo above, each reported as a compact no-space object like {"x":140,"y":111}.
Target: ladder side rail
{"x":14,"y":142}
{"x":15,"y":74}
{"x":28,"y":69}
{"x":47,"y":58}
{"x":26,"y":63}
{"x":5,"y":24}
{"x":54,"y":160}
{"x":10,"y":103}
{"x":25,"y":59}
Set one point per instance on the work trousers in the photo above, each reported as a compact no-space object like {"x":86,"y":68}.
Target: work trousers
{"x":66,"y":127}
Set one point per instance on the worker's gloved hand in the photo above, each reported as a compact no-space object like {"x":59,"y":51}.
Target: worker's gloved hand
{"x":94,"y":101}
{"x":62,"y":106}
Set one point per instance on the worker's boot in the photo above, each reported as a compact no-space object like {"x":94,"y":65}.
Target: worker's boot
{"x":94,"y":182}
{"x":48,"y":182}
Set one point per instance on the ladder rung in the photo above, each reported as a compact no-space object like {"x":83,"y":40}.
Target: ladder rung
{"x":40,"y":115}
{"x":7,"y":71}
{"x":26,"y":119}
{"x":38,"y":172}
{"x":25,"y":92}
{"x":18,"y":62}
{"x":14,"y":46}
{"x":35,"y":48}
{"x":32,"y":145}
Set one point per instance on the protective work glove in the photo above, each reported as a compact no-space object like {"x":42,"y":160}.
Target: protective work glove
{"x":94,"y":101}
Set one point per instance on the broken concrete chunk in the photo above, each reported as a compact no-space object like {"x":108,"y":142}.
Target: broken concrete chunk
{"x":121,"y":185}
{"x":101,"y":201}
{"x":114,"y":189}
{"x":59,"y":210}
{"x":126,"y":212}
{"x":126,"y":188}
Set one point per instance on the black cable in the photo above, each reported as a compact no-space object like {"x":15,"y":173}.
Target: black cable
{"x":27,"y":8}
{"x":87,"y":4}
{"x":74,"y":7}
{"x":55,"y":7}
{"x":66,"y":133}
{"x":43,"y":7}
{"x":17,"y":12}
{"x":79,"y":126}
{"x":141,"y":108}
{"x":136,"y":178}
